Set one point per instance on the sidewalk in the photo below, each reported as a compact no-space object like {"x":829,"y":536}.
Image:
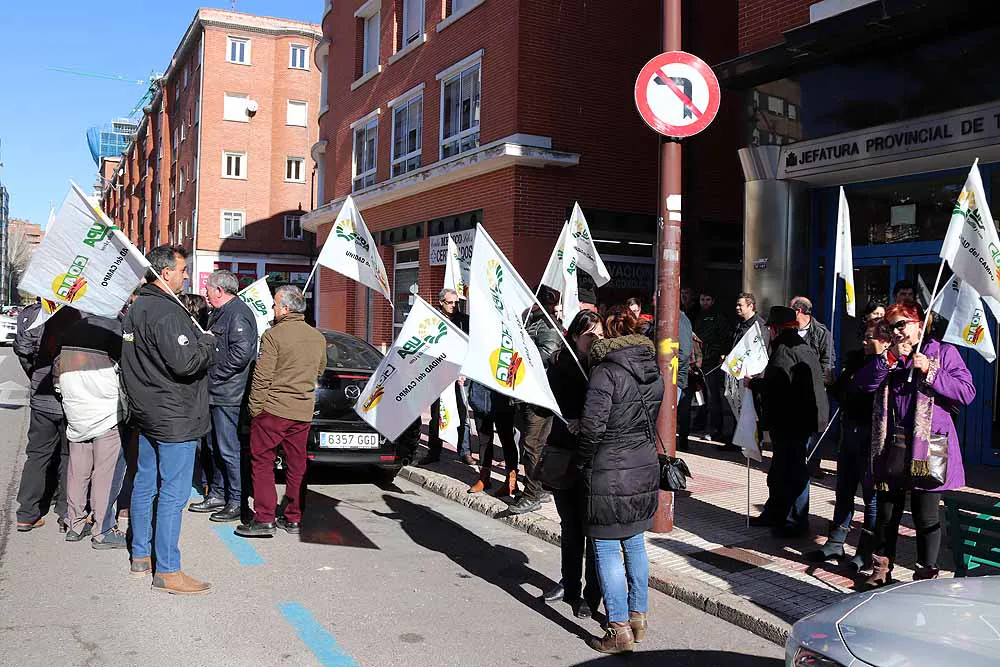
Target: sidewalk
{"x":712,"y":559}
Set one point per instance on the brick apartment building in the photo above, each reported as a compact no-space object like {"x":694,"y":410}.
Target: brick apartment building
{"x":445,"y":113}
{"x":221,"y":163}
{"x":893,"y":101}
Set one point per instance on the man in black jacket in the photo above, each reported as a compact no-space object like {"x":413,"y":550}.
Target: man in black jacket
{"x":448,"y":306}
{"x":794,"y":408}
{"x":713,"y":330}
{"x":48,"y":449}
{"x":165,"y":361}
{"x":235,"y":330}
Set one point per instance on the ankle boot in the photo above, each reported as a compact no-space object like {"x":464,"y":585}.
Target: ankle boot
{"x":637,"y":620}
{"x":483,"y":483}
{"x":833,"y":549}
{"x":179,"y":583}
{"x":861,"y":562}
{"x":509,"y":486}
{"x":881,"y":573}
{"x":617,"y":639}
{"x":924,"y":572}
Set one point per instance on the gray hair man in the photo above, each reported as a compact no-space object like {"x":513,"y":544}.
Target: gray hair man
{"x":165,"y":361}
{"x":448,"y":305}
{"x":282,"y":400}
{"x":235,"y":330}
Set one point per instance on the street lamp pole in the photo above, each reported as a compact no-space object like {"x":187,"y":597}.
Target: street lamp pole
{"x":668,"y":278}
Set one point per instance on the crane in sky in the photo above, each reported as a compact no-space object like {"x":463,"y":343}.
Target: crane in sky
{"x":150,"y":83}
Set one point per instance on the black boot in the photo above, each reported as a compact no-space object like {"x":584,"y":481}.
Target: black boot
{"x":863,"y":554}
{"x":833,"y":549}
{"x":231,"y":512}
{"x":255,"y":529}
{"x":208,"y":505}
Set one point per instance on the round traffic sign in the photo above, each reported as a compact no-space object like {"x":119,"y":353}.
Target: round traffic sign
{"x":677,"y":94}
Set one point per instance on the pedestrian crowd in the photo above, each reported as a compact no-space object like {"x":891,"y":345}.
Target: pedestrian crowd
{"x":122,"y":408}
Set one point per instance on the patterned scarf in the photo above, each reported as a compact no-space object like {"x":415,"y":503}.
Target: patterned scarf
{"x":919,"y":440}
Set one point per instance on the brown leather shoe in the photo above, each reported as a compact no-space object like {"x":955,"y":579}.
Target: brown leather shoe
{"x":617,"y":639}
{"x":482,"y":484}
{"x":881,"y":573}
{"x":467,"y":459}
{"x":178,"y":583}
{"x":140,"y":567}
{"x":509,"y":486}
{"x":25,"y":527}
{"x":637,"y":620}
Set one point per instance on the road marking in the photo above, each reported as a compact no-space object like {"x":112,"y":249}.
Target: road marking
{"x":239,"y":546}
{"x":195,"y":496}
{"x":315,"y":636}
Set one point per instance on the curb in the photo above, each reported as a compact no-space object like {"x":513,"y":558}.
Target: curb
{"x":707,"y":598}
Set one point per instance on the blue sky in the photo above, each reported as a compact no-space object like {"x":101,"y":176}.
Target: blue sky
{"x":44,"y":115}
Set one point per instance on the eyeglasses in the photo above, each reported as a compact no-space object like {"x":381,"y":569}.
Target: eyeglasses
{"x":901,"y":324}
{"x":450,"y":303}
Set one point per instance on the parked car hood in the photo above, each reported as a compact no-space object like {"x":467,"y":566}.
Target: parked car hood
{"x":939,"y":622}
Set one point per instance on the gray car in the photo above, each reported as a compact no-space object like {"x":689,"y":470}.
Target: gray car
{"x":936,"y":623}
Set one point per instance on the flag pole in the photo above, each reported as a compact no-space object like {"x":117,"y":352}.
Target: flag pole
{"x":309,"y":279}
{"x":166,"y":288}
{"x":748,"y":489}
{"x":927,"y":316}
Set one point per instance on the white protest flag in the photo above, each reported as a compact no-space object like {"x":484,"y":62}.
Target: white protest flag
{"x":745,"y":436}
{"x":843,"y":262}
{"x":947,"y":298}
{"x":351,"y":251}
{"x":967,"y":325}
{"x":749,"y":356}
{"x":971,"y":247}
{"x":258,"y":296}
{"x":587,"y":257}
{"x":502,"y":355}
{"x":456,"y":271}
{"x":448,"y":417}
{"x":553,"y":274}
{"x":84,"y":260}
{"x":423,"y":361}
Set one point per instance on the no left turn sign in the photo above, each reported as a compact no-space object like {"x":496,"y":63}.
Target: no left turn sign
{"x":677,"y":94}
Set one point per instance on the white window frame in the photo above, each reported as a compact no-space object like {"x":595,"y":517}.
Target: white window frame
{"x":246,"y":50}
{"x":370,"y":14}
{"x":185,"y":76}
{"x":242,"y":157}
{"x":364,"y":124}
{"x":288,"y":111}
{"x":412,"y":34}
{"x":397,"y":266}
{"x":302,"y":169}
{"x":305,"y":56}
{"x":222,"y":223}
{"x":180,"y":179}
{"x":242,"y":116}
{"x":183,"y":131}
{"x":446,"y":76}
{"x":290,"y":218}
{"x":397,"y":105}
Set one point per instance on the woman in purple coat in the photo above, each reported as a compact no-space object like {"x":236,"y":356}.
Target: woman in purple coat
{"x":914,"y":444}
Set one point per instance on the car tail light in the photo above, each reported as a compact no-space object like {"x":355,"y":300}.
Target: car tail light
{"x":806,"y":658}
{"x":311,"y":457}
{"x":387,"y":458}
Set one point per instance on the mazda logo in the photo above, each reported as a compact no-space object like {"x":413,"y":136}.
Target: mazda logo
{"x":352,"y":391}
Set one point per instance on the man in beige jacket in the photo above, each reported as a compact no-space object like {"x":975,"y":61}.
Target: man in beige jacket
{"x":292,"y":356}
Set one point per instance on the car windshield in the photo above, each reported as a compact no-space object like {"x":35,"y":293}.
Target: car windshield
{"x":345,"y":351}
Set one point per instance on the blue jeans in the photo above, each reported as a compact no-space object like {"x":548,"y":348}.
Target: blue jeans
{"x":173,"y":462}
{"x":852,"y":467}
{"x":625,"y":585}
{"x":226,"y":460}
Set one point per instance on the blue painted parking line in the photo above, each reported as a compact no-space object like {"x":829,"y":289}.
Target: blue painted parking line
{"x":195,"y":496}
{"x":315,"y":636}
{"x":239,"y":546}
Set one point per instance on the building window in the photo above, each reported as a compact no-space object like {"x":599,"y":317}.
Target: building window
{"x":404,"y":283}
{"x":173,"y":148}
{"x":365,"y":141}
{"x":369,"y":59}
{"x":156,"y":208}
{"x":295,"y":170}
{"x":234,"y":165}
{"x":185,"y":76}
{"x":234,"y":107}
{"x":297,"y":113}
{"x":180,"y":179}
{"x":232,"y":225}
{"x":460,"y":112}
{"x":194,"y":168}
{"x":413,"y":20}
{"x":324,"y":82}
{"x":407,"y":124}
{"x":238,"y":50}
{"x":293,"y":227}
{"x":183,"y":131}
{"x":299,"y":57}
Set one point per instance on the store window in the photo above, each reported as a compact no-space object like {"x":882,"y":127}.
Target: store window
{"x":904,"y":210}
{"x":404,"y":284}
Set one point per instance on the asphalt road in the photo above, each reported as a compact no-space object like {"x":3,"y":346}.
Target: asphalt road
{"x":379,"y":576}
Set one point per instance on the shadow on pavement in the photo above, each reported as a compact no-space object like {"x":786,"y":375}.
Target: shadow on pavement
{"x":322,"y":523}
{"x":684,"y":658}
{"x":505,"y":568}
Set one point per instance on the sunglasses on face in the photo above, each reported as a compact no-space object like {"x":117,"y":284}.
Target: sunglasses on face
{"x":901,"y":324}
{"x":450,"y":303}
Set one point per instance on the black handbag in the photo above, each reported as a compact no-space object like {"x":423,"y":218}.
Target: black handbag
{"x":673,"y":473}
{"x":556,"y":470}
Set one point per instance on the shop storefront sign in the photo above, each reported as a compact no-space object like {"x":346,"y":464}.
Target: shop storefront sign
{"x":633,"y":277}
{"x":954,"y":130}
{"x":439,"y":246}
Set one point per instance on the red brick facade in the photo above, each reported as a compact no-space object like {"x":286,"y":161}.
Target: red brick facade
{"x":563,"y":72}
{"x":762,"y":22}
{"x":179,"y":149}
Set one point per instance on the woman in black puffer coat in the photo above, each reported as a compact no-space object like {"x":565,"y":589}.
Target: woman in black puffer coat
{"x":621,"y":472}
